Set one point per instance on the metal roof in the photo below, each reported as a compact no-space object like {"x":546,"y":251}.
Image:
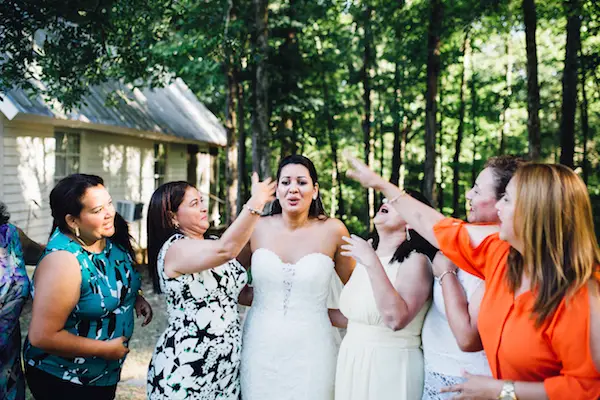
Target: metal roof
{"x":173,"y":110}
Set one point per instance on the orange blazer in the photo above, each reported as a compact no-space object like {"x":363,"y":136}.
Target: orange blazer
{"x":558,"y":353}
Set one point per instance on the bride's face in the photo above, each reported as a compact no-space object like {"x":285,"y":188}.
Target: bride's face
{"x":295,"y":189}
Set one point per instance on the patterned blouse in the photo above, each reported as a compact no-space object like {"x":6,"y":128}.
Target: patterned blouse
{"x":105,"y":310}
{"x":14,"y":290}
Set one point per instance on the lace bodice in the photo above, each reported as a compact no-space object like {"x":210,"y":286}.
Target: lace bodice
{"x":291,"y":288}
{"x":289,"y":350}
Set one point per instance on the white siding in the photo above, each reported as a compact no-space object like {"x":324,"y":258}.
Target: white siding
{"x":176,"y":162}
{"x":127,"y":166}
{"x":125,"y":163}
{"x":27,"y":175}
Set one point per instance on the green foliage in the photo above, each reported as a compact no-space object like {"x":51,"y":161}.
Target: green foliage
{"x":316,"y":65}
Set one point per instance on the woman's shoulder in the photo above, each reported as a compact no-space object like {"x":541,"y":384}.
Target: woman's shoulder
{"x":331,"y":224}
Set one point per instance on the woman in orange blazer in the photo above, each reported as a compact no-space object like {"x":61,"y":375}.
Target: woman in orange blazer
{"x":539,"y":320}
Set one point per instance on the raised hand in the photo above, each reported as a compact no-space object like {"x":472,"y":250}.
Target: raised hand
{"x":262,"y":192}
{"x":361,"y":250}
{"x":361,"y":173}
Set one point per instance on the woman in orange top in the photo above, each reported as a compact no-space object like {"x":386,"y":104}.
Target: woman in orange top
{"x":539,"y":320}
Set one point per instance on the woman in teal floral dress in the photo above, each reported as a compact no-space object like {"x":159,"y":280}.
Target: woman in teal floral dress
{"x":14,"y":291}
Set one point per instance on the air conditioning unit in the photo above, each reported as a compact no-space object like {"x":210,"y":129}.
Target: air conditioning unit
{"x":130,"y":210}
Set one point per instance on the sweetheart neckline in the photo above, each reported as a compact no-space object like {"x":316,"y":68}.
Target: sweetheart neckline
{"x":314,"y":253}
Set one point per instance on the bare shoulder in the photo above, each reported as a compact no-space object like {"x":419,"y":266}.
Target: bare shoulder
{"x":58,"y":266}
{"x":336,"y":226}
{"x":418,"y":264}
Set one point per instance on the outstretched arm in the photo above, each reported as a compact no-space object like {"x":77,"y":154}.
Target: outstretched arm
{"x":419,"y":216}
{"x":190,"y":256}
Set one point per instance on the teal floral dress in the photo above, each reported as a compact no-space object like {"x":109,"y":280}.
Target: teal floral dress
{"x":14,"y":290}
{"x":105,"y":311}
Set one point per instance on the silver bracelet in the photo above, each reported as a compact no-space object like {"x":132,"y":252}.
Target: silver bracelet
{"x":439,"y":279}
{"x":253,"y":210}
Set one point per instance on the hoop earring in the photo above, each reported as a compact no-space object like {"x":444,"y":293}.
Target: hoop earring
{"x":407,"y":233}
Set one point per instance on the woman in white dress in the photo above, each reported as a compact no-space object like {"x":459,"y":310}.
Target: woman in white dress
{"x":451,"y":342}
{"x":385,"y":301}
{"x":289,"y":350}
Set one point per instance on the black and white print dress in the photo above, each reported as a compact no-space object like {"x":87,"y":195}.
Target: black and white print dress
{"x":198,"y":355}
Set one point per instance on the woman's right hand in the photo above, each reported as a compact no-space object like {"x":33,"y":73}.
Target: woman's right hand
{"x":115,"y":348}
{"x":262,"y":192}
{"x":361,"y":173}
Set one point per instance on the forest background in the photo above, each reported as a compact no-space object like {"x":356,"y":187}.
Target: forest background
{"x":425,"y":91}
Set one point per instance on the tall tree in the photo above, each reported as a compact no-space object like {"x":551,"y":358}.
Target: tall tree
{"x":569,"y":83}
{"x":533,"y":88}
{"x":460,"y":131}
{"x":368,"y":60}
{"x":261,"y":142}
{"x":433,"y":73}
{"x":505,"y":117}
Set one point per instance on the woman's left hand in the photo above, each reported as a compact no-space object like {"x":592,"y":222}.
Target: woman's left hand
{"x":477,"y":387}
{"x":361,"y":250}
{"x":143,"y":308}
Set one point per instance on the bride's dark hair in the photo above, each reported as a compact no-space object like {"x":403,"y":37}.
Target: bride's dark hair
{"x":316,"y":207}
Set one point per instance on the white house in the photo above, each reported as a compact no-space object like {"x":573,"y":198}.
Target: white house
{"x":149,"y":137}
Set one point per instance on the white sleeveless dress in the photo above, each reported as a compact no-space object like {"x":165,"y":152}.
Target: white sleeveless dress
{"x":288,"y":349}
{"x":375,"y":362}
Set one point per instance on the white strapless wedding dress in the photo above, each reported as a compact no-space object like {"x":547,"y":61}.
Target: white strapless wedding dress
{"x":288,"y":349}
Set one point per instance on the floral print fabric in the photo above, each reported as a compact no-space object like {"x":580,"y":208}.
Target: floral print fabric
{"x":14,"y":290}
{"x":198,"y":355}
{"x":109,"y":285}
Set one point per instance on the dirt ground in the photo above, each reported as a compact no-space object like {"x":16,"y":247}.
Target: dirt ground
{"x":133,"y":376}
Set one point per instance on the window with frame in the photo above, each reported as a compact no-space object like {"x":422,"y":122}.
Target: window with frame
{"x":160,"y":164}
{"x":67,"y":154}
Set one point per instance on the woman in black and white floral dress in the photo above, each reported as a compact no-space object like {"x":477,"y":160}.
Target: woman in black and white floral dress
{"x":198,"y":355}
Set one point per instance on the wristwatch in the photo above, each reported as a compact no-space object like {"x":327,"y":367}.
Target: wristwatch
{"x":508,"y":391}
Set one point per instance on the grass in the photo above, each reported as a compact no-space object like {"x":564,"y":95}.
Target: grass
{"x":133,"y":377}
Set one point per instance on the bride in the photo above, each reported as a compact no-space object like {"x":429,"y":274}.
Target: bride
{"x":289,"y":350}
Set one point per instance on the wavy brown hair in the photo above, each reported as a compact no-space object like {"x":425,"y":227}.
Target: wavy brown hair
{"x":560,"y":250}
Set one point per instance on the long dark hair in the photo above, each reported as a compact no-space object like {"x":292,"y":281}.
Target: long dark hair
{"x":316,"y":210}
{"x":65,"y":199}
{"x":165,"y":200}
{"x":416,"y":243}
{"x":4,"y":214}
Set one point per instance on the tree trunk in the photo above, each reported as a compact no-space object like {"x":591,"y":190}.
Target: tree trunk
{"x":585,"y":127}
{"x":533,"y":89}
{"x":507,"y":96}
{"x":474,"y":123}
{"x":242,"y":189}
{"x":396,"y":153}
{"x":569,"y":84}
{"x":366,"y":123}
{"x":456,"y":209}
{"x":231,"y":151}
{"x":440,"y":166}
{"x":334,"y":152}
{"x":261,"y":138}
{"x":433,"y":73}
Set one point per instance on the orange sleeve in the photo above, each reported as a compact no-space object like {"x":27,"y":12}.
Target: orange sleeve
{"x":570,"y":340}
{"x":454,"y":241}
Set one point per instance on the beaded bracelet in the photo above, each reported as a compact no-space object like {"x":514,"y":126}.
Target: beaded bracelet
{"x":444,"y":274}
{"x":253,"y":210}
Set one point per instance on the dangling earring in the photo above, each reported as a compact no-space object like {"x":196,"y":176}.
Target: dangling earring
{"x":77,"y":231}
{"x":407,"y":233}
{"x":176,"y":225}
{"x":315,"y":197}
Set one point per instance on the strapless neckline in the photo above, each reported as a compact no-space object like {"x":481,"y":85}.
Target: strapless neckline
{"x":301,"y":259}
